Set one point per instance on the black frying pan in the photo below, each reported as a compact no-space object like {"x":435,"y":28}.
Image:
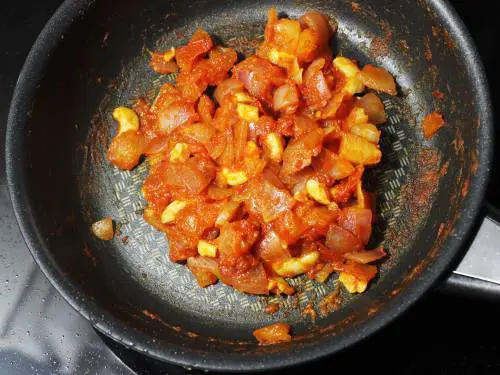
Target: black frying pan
{"x":91,"y":57}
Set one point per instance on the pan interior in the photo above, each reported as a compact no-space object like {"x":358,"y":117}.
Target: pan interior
{"x":101,"y":62}
{"x":144,"y":255}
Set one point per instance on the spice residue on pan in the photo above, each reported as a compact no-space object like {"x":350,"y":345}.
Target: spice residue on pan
{"x":151,"y":315}
{"x":428,"y":161}
{"x":331,"y":302}
{"x":379,"y":48}
{"x":444,"y":169}
{"x":417,"y":196}
{"x":442,"y":34}
{"x":475,"y":162}
{"x":157,"y":318}
{"x":465,"y":188}
{"x":355,"y":7}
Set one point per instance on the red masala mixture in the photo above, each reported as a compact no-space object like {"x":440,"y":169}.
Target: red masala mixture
{"x":263,"y":180}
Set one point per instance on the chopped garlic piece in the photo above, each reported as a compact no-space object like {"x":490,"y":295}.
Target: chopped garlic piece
{"x":350,"y":70}
{"x":170,"y":212}
{"x":103,"y":229}
{"x":366,"y":131}
{"x":296,"y":72}
{"x":357,"y":116}
{"x":179,"y":153}
{"x":220,"y":179}
{"x":275,"y":146}
{"x":300,"y":196}
{"x":206,"y":249}
{"x":169,"y":55}
{"x":351,"y":283}
{"x":333,"y":206}
{"x":251,"y":149}
{"x":354,"y":86}
{"x":296,"y":266}
{"x":234,"y":178}
{"x":127,"y":119}
{"x":279,"y":285}
{"x":247,"y":112}
{"x":317,"y":191}
{"x":346,"y":66}
{"x":281,"y":59}
{"x":241,"y":97}
{"x":287,"y":61}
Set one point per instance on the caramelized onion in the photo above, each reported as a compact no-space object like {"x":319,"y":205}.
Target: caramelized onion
{"x":286,"y":99}
{"x":227,"y":87}
{"x":366,"y":256}
{"x":319,"y":23}
{"x":176,"y":114}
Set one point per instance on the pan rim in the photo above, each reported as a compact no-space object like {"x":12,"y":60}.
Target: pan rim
{"x":34,"y":65}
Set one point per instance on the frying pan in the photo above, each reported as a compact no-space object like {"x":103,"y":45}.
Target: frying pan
{"x":92,"y":56}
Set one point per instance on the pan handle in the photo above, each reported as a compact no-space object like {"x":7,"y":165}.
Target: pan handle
{"x":478,"y":273}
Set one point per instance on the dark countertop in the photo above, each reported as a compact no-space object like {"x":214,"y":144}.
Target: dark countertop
{"x":41,"y":333}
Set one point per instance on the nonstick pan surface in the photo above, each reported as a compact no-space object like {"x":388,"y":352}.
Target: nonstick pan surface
{"x":92,"y":57}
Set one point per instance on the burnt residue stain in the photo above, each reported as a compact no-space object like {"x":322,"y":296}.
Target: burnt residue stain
{"x":175,"y":328}
{"x":475,"y":162}
{"x":458,"y":143}
{"x":444,"y":169}
{"x":193,"y":335}
{"x":427,"y":49}
{"x":355,"y":7}
{"x":438,"y":95}
{"x":465,"y":188}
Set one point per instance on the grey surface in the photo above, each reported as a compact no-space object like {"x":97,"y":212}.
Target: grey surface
{"x":482,"y":261}
{"x":39,"y":332}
